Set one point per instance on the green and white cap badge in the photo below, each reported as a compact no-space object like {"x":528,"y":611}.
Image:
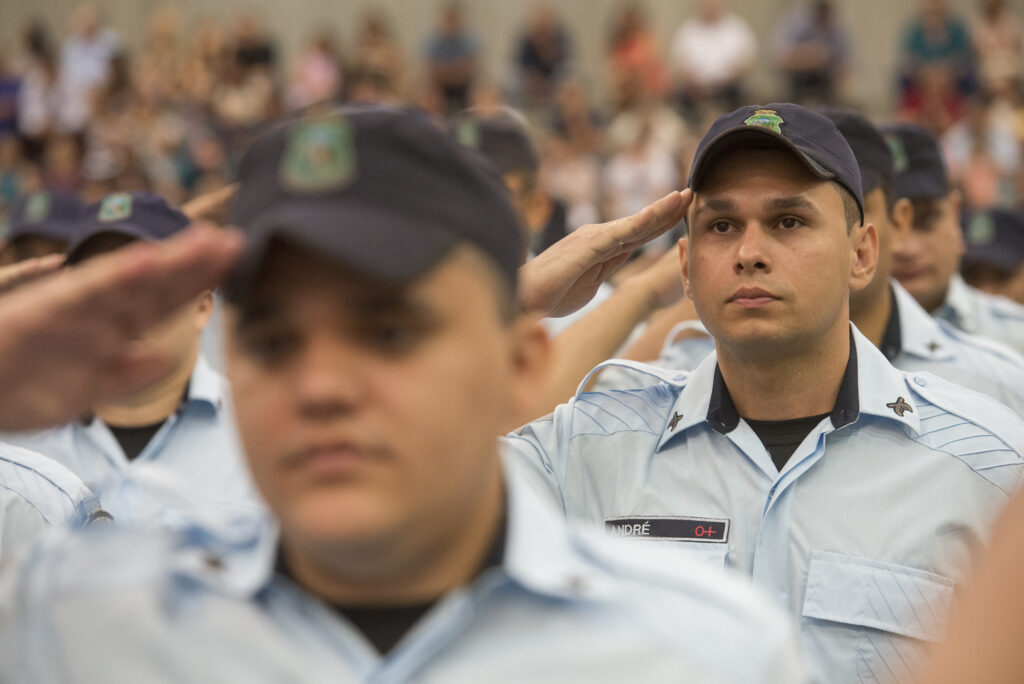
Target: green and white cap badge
{"x":116,"y":207}
{"x":37,"y":207}
{"x":319,"y":155}
{"x":900,"y":160}
{"x":765,"y":118}
{"x":981,"y":230}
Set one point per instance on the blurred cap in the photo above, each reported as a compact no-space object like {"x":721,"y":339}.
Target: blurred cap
{"x":50,"y":213}
{"x":501,"y":137}
{"x":918,"y":169}
{"x":869,"y":147}
{"x":810,"y":136}
{"x":994,"y":237}
{"x":379,"y":190}
{"x":137,"y":215}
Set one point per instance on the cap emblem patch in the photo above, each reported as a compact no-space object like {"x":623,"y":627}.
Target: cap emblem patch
{"x":900,"y":162}
{"x":319,"y":156}
{"x":468,"y":134}
{"x":37,"y":208}
{"x":981,"y":230}
{"x":765,"y":118}
{"x":115,"y":207}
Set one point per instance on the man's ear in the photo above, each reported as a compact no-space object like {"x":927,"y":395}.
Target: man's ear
{"x":902,"y":214}
{"x":531,"y":359}
{"x":864,"y":240}
{"x":684,"y":250}
{"x":204,"y":308}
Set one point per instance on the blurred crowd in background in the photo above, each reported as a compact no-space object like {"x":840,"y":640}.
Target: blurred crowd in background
{"x":78,"y":112}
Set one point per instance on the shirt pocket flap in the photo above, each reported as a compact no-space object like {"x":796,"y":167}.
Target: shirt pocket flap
{"x":870,"y":593}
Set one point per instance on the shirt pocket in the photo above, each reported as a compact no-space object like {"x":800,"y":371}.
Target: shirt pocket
{"x":886,"y":611}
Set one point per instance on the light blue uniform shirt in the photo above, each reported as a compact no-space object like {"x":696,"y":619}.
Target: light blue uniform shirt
{"x":204,"y":604}
{"x":861,"y":536}
{"x":198,"y":444}
{"x":926,"y":345}
{"x":37,"y":494}
{"x":980,"y":313}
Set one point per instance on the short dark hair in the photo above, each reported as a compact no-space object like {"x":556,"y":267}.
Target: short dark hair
{"x":851,"y":209}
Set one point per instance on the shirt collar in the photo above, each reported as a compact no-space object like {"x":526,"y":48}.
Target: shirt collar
{"x":206,"y":386}
{"x":892,"y":338}
{"x":922,"y":334}
{"x":868,"y":379}
{"x":958,"y":308}
{"x":541,"y":553}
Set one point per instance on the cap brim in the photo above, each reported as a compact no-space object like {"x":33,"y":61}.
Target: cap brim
{"x":77,"y":249}
{"x":749,"y":136}
{"x":362,"y":239}
{"x":1000,"y":257}
{"x":54,"y":230}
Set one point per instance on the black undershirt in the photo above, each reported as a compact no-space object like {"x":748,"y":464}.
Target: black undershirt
{"x":782,"y":437}
{"x":134,"y":439}
{"x":384,"y":626}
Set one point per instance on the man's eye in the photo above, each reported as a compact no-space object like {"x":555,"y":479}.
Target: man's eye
{"x":392,"y":338}
{"x":790,"y":222}
{"x":719,"y":227}
{"x":270,"y":348}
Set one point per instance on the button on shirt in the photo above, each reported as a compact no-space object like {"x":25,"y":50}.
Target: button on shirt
{"x":980,"y":313}
{"x":198,"y":444}
{"x":204,"y":604}
{"x":861,"y":536}
{"x":37,"y":494}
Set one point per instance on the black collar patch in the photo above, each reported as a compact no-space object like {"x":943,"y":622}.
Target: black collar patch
{"x":674,"y":423}
{"x":723,"y":417}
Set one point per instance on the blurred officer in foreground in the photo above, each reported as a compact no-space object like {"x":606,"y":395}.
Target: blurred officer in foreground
{"x":927,"y":258}
{"x":853,"y":493}
{"x":375,"y":352}
{"x":181,"y":421}
{"x":994,"y":260}
{"x":888,"y":316}
{"x":41,"y":223}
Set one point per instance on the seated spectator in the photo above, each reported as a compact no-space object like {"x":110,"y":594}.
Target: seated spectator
{"x":711,"y":53}
{"x":542,"y":55}
{"x":452,"y":55}
{"x":996,"y":38}
{"x":812,"y":48}
{"x":936,"y":40}
{"x":634,"y":59}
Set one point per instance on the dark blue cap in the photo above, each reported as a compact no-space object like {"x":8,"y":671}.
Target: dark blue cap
{"x":810,"y":136}
{"x":502,"y":137}
{"x":994,"y":237}
{"x":137,"y":215}
{"x":379,"y":190}
{"x":50,"y":213}
{"x":869,"y":147}
{"x":919,"y":171}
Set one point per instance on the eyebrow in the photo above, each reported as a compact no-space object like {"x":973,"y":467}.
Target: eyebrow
{"x":714,"y":205}
{"x":717,"y":205}
{"x":375,"y":304}
{"x":788,"y":203}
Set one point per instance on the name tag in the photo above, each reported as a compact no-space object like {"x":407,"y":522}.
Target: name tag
{"x":671,"y":529}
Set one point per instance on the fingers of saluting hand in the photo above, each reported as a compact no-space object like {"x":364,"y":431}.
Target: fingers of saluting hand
{"x":630,"y":232}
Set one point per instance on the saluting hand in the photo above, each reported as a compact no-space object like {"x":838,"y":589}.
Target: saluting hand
{"x":565,"y":276}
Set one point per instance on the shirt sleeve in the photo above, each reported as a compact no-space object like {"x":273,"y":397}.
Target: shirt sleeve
{"x":539,"y":450}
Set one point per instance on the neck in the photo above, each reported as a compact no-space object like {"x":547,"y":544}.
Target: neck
{"x":419,"y":565}
{"x":870,"y":312}
{"x":151,"y":405}
{"x":800,"y":384}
